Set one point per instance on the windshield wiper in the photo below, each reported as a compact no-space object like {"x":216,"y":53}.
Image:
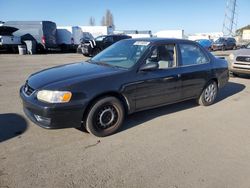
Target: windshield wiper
{"x":101,"y":63}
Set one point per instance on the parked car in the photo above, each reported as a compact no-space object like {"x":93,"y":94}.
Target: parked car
{"x":239,"y":61}
{"x":206,"y":43}
{"x":131,"y":75}
{"x":42,"y":32}
{"x":224,"y":43}
{"x":8,"y":42}
{"x":86,"y":36}
{"x":93,"y":47}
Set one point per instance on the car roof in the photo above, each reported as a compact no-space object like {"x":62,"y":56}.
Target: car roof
{"x":112,"y":35}
{"x":161,"y":40}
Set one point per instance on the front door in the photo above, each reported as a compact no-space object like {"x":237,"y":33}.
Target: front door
{"x":160,"y":86}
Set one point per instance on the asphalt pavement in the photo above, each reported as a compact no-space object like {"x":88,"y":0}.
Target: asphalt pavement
{"x":178,"y":146}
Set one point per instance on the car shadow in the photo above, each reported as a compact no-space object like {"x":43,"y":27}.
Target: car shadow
{"x":230,"y":89}
{"x":11,"y":125}
{"x":140,"y":117}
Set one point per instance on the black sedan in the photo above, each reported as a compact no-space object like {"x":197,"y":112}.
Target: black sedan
{"x":129,"y":76}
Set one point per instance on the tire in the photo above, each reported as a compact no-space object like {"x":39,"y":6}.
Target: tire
{"x":208,"y":94}
{"x":232,"y":74}
{"x":223,"y":48}
{"x":105,"y":117}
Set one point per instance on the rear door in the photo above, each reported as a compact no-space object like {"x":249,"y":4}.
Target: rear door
{"x":195,"y":69}
{"x":161,"y":86}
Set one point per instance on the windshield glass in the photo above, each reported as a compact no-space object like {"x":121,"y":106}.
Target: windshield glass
{"x":248,"y":46}
{"x":219,"y":40}
{"x":122,"y":54}
{"x":100,"y":38}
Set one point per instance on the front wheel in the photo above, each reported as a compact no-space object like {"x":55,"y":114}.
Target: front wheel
{"x":208,"y":94}
{"x":105,"y":117}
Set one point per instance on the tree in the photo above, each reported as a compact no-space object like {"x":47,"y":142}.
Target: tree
{"x":108,"y":19}
{"x":92,"y":21}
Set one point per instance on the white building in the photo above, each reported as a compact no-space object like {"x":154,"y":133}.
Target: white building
{"x":212,"y":36}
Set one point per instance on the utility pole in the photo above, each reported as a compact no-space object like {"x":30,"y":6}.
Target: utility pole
{"x":230,"y":19}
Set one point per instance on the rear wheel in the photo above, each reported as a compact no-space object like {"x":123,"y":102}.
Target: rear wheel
{"x":208,"y":94}
{"x":105,"y":117}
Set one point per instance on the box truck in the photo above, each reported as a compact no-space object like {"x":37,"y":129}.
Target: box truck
{"x":98,"y":30}
{"x":69,"y":37}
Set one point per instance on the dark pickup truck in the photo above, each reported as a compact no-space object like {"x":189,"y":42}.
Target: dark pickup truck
{"x":93,"y":47}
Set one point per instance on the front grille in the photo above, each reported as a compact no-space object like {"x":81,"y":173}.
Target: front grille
{"x":243,"y":59}
{"x":27,"y":89}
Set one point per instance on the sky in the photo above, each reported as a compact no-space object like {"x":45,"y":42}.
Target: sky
{"x":193,"y":16}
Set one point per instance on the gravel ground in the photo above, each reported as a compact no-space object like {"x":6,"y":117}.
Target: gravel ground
{"x":177,"y":146}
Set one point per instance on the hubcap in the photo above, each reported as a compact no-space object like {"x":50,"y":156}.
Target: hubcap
{"x":106,"y":117}
{"x":210,"y":93}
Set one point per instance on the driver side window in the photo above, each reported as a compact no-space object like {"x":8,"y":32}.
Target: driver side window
{"x":164,"y":55}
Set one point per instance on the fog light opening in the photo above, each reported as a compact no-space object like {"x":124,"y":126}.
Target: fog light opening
{"x":43,"y":119}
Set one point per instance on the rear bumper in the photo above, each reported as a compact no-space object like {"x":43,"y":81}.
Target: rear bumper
{"x":52,"y":116}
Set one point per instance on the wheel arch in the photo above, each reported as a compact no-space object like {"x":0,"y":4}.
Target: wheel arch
{"x":115,"y":94}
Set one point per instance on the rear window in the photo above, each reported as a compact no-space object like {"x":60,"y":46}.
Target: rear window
{"x":192,"y":55}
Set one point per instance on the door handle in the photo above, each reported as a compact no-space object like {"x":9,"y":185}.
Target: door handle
{"x":172,"y":77}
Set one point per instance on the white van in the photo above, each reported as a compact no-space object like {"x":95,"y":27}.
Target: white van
{"x":69,"y":37}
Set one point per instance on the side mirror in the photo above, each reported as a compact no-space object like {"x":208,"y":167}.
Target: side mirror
{"x":149,"y":66}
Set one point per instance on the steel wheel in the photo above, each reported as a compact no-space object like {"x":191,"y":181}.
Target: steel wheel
{"x":105,"y":117}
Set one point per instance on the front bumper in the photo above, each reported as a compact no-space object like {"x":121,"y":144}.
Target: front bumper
{"x":87,"y":50}
{"x":52,"y":116}
{"x":217,"y":47}
{"x":240,"y":67}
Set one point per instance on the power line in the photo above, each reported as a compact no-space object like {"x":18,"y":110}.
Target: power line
{"x":230,"y":18}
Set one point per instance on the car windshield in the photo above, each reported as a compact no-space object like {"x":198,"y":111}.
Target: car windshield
{"x":248,"y":46}
{"x":219,"y":40}
{"x":123,"y":54}
{"x":100,"y":38}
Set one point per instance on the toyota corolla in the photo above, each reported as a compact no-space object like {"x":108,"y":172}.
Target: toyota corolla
{"x":129,"y":76}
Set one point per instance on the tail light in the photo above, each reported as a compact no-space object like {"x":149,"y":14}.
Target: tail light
{"x":43,"y":39}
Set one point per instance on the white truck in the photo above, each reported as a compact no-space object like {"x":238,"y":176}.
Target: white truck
{"x":8,"y":42}
{"x":178,"y":34}
{"x":98,"y":30}
{"x":135,"y":33}
{"x":69,"y":37}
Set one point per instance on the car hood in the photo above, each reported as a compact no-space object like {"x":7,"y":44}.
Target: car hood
{"x":80,"y":71}
{"x":243,"y":52}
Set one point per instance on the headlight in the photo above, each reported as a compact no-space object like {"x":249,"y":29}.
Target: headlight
{"x":54,"y":96}
{"x":231,"y":56}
